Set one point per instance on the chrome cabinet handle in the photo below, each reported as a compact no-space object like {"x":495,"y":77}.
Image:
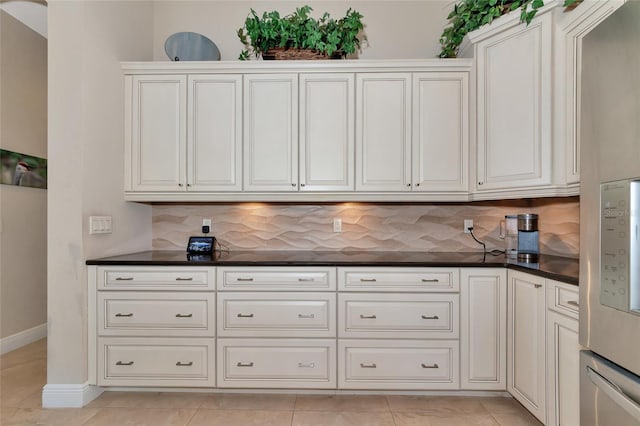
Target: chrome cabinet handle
{"x":368,"y":280}
{"x":124,"y":363}
{"x":430,"y":280}
{"x":188,"y":185}
{"x":184,"y":364}
{"x":180,"y":185}
{"x":372,"y":365}
{"x":245,"y":315}
{"x":408,"y":184}
{"x":480,"y":183}
{"x":368,"y":316}
{"x":302,"y":185}
{"x":244,"y":279}
{"x":306,"y":279}
{"x":184,"y":315}
{"x":417,"y":184}
{"x":537,"y":285}
{"x":293,"y":184}
{"x":241,"y":364}
{"x":124,"y":315}
{"x":184,"y":279}
{"x":307,"y":364}
{"x":573,"y":303}
{"x":430,"y":366}
{"x":613,"y":391}
{"x":306,"y":315}
{"x":124,"y":279}
{"x":431,"y":317}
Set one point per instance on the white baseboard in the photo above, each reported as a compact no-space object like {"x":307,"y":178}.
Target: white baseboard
{"x":23,"y":338}
{"x":69,"y":396}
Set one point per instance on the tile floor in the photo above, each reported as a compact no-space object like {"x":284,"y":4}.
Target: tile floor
{"x":23,"y":374}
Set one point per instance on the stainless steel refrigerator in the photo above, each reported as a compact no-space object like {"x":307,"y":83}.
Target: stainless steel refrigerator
{"x":610,"y":204}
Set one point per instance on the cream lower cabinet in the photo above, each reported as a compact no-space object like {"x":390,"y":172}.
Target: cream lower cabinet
{"x":526,"y":334}
{"x":483,"y":328}
{"x":152,"y":326}
{"x":276,"y":328}
{"x":398,"y":328}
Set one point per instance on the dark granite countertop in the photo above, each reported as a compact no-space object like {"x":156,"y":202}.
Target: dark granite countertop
{"x":563,"y":269}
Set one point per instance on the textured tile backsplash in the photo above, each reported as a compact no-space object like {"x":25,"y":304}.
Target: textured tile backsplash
{"x":365,"y":226}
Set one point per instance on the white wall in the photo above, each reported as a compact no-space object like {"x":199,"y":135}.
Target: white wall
{"x":87,"y":41}
{"x":23,"y":211}
{"x":395,"y":29}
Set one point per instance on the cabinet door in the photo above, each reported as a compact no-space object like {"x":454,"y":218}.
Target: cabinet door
{"x":327,"y":132}
{"x":214,"y":145}
{"x":514,"y":106}
{"x":483,"y":329}
{"x":440,"y":131}
{"x":526,"y":341}
{"x":156,"y":151}
{"x":383,"y":132}
{"x":563,"y":372}
{"x":271,"y":132}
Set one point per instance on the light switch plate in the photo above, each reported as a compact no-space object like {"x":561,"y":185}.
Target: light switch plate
{"x":100,"y":225}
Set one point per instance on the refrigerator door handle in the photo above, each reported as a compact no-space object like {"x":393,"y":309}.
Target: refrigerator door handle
{"x":614,"y":392}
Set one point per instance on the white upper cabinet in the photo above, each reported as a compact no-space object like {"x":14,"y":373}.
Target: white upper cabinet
{"x":156,"y":140}
{"x":327,"y":136}
{"x":514,"y":106}
{"x":440,"y":131}
{"x":214,"y":137}
{"x":383,"y":132}
{"x":271,"y":132}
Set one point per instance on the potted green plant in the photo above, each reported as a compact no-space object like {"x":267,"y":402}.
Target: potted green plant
{"x":469,"y":15}
{"x":299,"y":36}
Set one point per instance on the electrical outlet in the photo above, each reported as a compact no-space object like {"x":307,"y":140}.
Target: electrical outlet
{"x":468,"y":223}
{"x":206,"y":222}
{"x":337,"y":225}
{"x":100,"y":225}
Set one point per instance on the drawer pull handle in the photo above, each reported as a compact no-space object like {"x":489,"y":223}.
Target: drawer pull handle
{"x":307,"y":280}
{"x":368,"y":280}
{"x":184,"y":315}
{"x":430,"y":366}
{"x":431,"y":317}
{"x":244,"y":279}
{"x":124,"y":363}
{"x":362,"y":365}
{"x":184,"y":364}
{"x":368,"y":316}
{"x":124,"y":279}
{"x":537,"y":285}
{"x":241,"y":364}
{"x":184,"y":279}
{"x":430,"y":280}
{"x":573,"y":303}
{"x":124,"y":315}
{"x":306,"y":315}
{"x":245,"y":315}
{"x":307,"y":364}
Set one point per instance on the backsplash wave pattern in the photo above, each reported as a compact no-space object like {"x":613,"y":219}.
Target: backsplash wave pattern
{"x":365,"y":226}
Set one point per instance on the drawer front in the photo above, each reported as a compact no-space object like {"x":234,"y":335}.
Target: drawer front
{"x":276,"y":363}
{"x":398,"y":315}
{"x":156,"y":278}
{"x":291,"y":278}
{"x":156,"y":314}
{"x":399,"y":279}
{"x":381,"y":364}
{"x":156,"y":362}
{"x":276,"y":315}
{"x":563,"y":298}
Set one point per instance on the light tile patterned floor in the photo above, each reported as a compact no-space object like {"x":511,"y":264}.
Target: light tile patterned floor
{"x":23,"y":374}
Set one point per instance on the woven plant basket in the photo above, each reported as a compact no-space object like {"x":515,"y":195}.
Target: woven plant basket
{"x":282,"y":54}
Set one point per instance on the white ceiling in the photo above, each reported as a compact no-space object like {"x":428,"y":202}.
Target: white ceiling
{"x":31,"y":13}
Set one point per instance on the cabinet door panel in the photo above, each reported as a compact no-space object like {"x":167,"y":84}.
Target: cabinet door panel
{"x":271,"y":132}
{"x":327,"y":132}
{"x":158,"y":138}
{"x":215,"y":134}
{"x":514,"y":107}
{"x":383,"y":132}
{"x":440,"y":131}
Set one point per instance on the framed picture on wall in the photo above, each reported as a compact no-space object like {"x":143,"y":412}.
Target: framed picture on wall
{"x":22,"y":170}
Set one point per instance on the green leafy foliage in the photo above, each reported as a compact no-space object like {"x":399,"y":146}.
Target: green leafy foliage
{"x":300,"y":31}
{"x":469,"y":15}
